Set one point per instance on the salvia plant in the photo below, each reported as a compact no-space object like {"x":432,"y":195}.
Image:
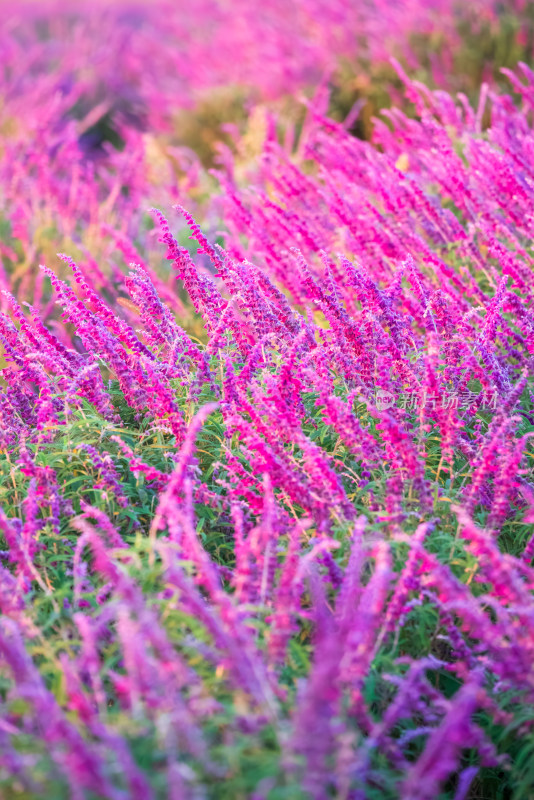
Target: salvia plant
{"x":266,"y":404}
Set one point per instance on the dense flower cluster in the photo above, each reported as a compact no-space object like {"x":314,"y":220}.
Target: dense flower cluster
{"x":229,"y":570}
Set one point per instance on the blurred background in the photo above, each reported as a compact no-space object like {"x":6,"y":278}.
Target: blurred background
{"x":108,"y":108}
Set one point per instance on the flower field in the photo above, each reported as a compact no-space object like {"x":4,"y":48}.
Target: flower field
{"x":266,"y":400}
